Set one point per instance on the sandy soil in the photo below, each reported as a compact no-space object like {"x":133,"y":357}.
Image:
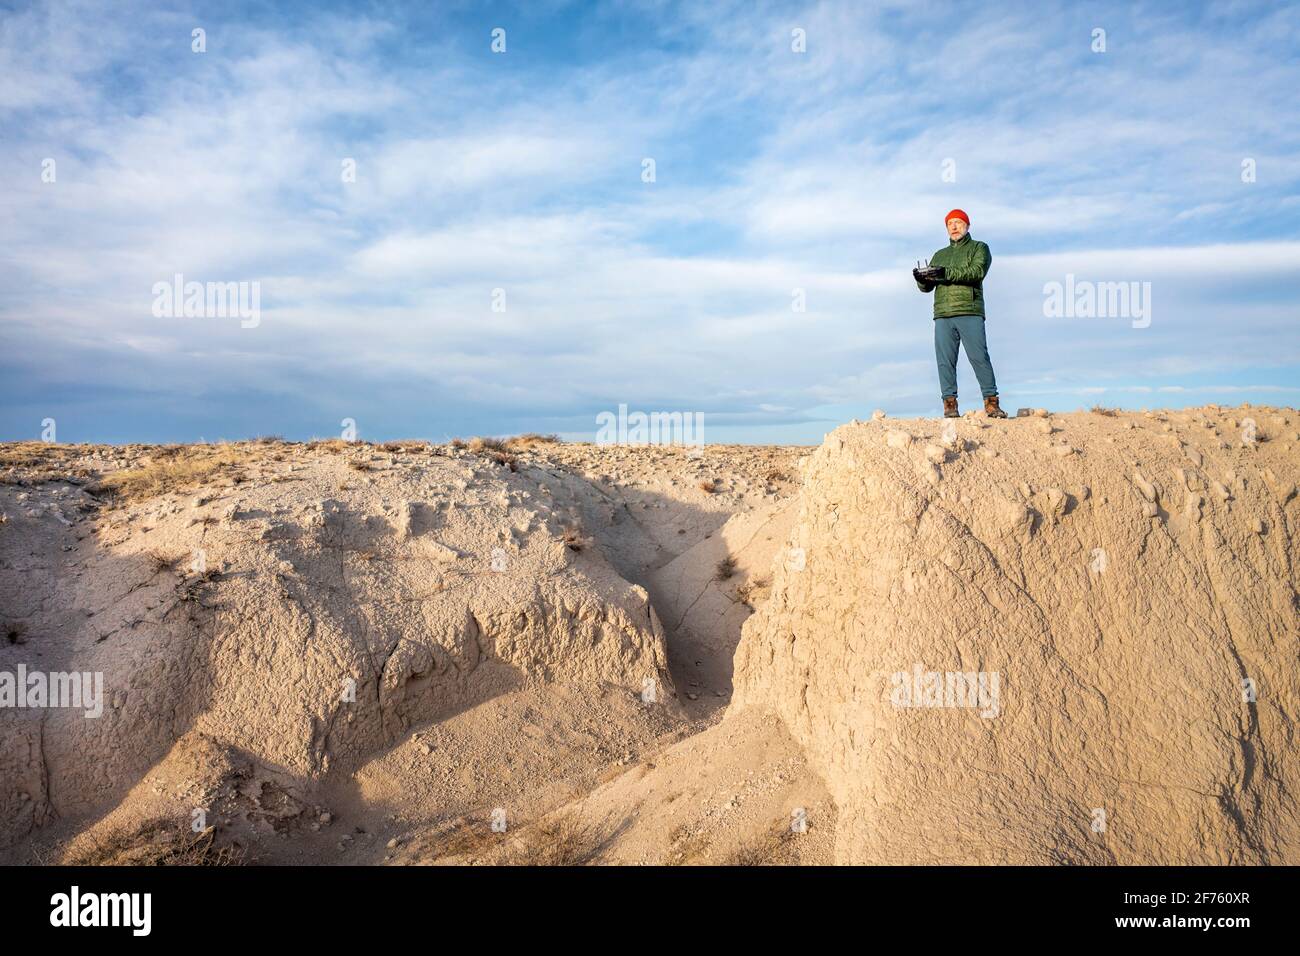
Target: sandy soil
{"x":543,"y":652}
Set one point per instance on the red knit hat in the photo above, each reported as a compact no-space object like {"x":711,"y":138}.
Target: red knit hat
{"x":957,"y":214}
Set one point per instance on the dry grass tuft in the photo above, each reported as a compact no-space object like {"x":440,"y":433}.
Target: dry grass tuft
{"x":530,"y":439}
{"x":563,"y":840}
{"x":176,"y":470}
{"x":24,"y":454}
{"x":753,"y":590}
{"x":157,"y":842}
{"x":493,"y":449}
{"x":407,"y":445}
{"x":708,"y":486}
{"x":465,"y":837}
{"x":726,"y":569}
{"x":33,"y":462}
{"x":772,"y":848}
{"x":686,"y":848}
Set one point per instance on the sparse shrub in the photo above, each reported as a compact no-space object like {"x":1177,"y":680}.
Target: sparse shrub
{"x":726,"y":569}
{"x":192,"y":588}
{"x":751,"y":590}
{"x":769,"y":849}
{"x":403,"y":446}
{"x":504,"y":458}
{"x":563,"y":840}
{"x":481,"y":444}
{"x":464,"y":837}
{"x":156,"y":842}
{"x":708,"y":486}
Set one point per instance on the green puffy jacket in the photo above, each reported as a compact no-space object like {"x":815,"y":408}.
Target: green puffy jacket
{"x":966,"y":263}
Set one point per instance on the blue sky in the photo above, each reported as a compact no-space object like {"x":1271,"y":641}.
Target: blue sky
{"x":774,"y":171}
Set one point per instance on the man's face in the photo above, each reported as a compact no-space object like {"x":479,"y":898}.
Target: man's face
{"x":956,"y":228}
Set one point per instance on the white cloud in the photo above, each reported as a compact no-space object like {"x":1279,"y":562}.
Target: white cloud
{"x":776,"y":172}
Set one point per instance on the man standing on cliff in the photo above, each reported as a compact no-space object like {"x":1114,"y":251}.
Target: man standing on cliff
{"x":956,"y":276}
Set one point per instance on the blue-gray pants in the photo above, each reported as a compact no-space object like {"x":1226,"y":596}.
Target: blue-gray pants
{"x":967,"y":330}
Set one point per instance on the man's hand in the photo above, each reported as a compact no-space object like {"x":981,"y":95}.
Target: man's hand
{"x":930,"y":275}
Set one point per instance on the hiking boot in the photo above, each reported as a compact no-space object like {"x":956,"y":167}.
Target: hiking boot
{"x":950,"y":407}
{"x":992,"y":409}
